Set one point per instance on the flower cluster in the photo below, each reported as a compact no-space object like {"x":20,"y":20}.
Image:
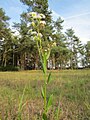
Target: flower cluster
{"x":38,"y":22}
{"x":35,"y":15}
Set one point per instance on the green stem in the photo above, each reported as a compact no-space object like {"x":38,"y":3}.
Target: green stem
{"x":44,"y":65}
{"x":39,"y":51}
{"x":45,"y":92}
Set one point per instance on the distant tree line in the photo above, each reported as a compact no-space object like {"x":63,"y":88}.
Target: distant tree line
{"x":18,"y":49}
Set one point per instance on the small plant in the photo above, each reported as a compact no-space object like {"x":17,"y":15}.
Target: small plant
{"x":38,"y":23}
{"x":21,"y":105}
{"x":57,"y":111}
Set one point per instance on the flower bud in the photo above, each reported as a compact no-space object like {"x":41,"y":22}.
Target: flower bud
{"x":39,"y":34}
{"x":34,"y":33}
{"x":54,"y":44}
{"x":42,"y":16}
{"x":42,"y":22}
{"x":32,"y":14}
{"x":33,"y":24}
{"x":45,"y":50}
{"x":38,"y":16}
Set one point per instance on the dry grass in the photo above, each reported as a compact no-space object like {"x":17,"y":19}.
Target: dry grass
{"x":70,"y":87}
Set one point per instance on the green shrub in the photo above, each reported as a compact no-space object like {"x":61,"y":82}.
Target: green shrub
{"x":9,"y":68}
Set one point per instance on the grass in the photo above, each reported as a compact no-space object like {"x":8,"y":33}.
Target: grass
{"x":70,"y":87}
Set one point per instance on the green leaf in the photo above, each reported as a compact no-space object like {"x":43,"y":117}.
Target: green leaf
{"x":48,"y":55}
{"x":44,"y":68}
{"x":44,"y":63}
{"x":49,"y":103}
{"x":42,"y":92}
{"x":21,"y":105}
{"x":45,"y":116}
{"x":49,"y":78}
{"x":58,"y":111}
{"x":21,"y":100}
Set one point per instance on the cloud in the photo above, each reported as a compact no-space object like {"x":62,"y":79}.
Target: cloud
{"x":79,"y":15}
{"x":80,"y":24}
{"x":84,"y":39}
{"x":14,"y":13}
{"x":15,"y":10}
{"x":55,"y":15}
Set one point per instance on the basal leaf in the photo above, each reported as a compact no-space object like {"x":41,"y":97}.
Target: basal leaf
{"x":44,"y":63}
{"x":47,"y":57}
{"x":45,"y":116}
{"x":49,"y":78}
{"x":49,"y":103}
{"x":42,"y":92}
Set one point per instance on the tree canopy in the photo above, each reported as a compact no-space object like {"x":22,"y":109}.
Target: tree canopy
{"x":20,"y":50}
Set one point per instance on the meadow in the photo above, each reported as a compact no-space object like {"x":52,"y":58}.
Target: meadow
{"x":70,"y":89}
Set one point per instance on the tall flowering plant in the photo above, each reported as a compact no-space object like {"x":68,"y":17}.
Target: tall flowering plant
{"x":38,"y":23}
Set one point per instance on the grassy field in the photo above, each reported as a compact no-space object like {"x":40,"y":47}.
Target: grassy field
{"x":70,"y":87}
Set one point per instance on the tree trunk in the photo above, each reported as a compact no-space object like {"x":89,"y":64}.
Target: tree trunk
{"x":22,"y":60}
{"x":53,"y":61}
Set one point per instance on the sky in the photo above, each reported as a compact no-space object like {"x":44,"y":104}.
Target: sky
{"x":76,"y":14}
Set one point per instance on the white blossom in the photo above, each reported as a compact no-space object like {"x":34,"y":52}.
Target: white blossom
{"x":54,"y":44}
{"x":45,"y":50}
{"x":42,"y":16}
{"x":34,"y":33}
{"x":30,"y":30}
{"x":50,"y":38}
{"x":43,"y":22}
{"x":38,"y":16}
{"x":39,"y":34}
{"x":32,"y":14}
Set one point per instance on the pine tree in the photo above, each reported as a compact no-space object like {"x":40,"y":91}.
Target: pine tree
{"x":5,"y":38}
{"x":60,"y":51}
{"x":87,"y":54}
{"x":75,"y":46}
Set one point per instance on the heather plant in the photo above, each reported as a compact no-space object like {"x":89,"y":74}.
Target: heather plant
{"x":38,"y":23}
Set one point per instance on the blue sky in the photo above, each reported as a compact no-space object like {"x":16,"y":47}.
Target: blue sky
{"x":76,"y":14}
